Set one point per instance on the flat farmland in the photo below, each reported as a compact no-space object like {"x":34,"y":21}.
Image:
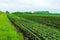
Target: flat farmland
{"x":37,"y":27}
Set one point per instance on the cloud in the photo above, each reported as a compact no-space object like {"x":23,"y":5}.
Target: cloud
{"x":30,"y":5}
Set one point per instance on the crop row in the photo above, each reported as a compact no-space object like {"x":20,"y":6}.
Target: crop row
{"x":47,"y":20}
{"x":36,"y":31}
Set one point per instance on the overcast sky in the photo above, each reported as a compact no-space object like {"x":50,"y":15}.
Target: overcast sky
{"x":30,"y":5}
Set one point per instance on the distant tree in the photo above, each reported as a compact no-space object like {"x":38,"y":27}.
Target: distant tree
{"x":21,"y":12}
{"x":7,"y":12}
{"x":42,"y":12}
{"x":28,"y":12}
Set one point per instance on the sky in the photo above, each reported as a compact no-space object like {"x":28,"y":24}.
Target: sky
{"x":30,"y":5}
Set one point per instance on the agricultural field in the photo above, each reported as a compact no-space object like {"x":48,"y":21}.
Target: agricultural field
{"x":37,"y":27}
{"x":47,"y":19}
{"x":28,"y":26}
